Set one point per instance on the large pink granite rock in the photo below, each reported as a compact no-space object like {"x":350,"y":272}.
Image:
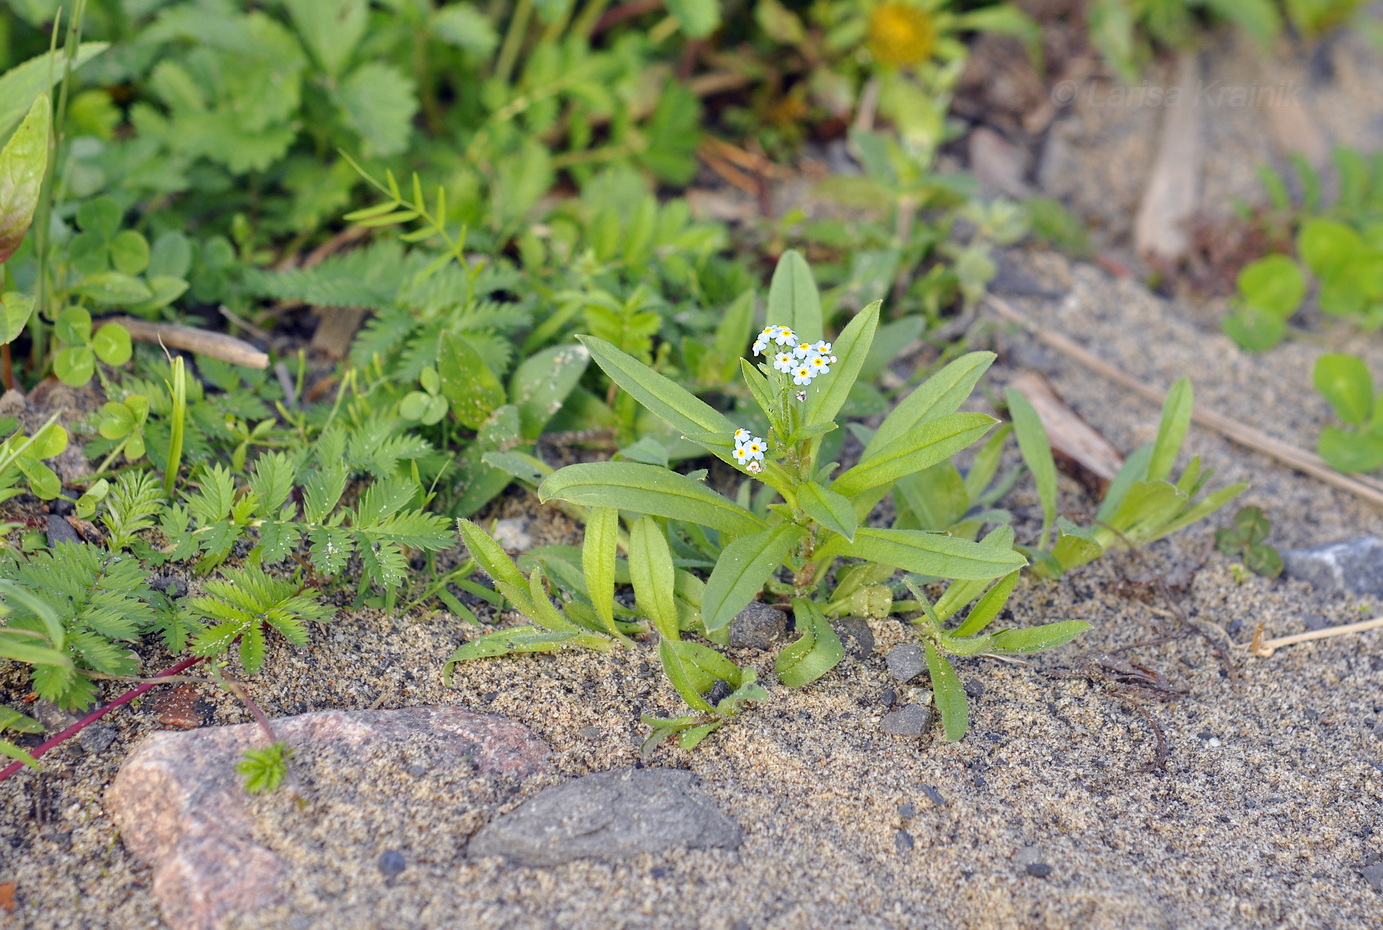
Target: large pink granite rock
{"x":181,"y":806}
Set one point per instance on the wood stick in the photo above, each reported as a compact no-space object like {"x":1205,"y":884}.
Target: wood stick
{"x":189,"y":339}
{"x":1365,"y":488}
{"x":1264,"y":648}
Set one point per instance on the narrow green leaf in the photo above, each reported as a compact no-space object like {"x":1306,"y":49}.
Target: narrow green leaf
{"x":815,"y":652}
{"x":660,"y":395}
{"x":987,"y":607}
{"x":12,"y":751}
{"x":1037,"y":638}
{"x":939,"y":395}
{"x":684,"y":675}
{"x":948,"y":694}
{"x":519,"y":640}
{"x":827,"y":395}
{"x":653,"y":576}
{"x":733,"y":333}
{"x":20,"y":85}
{"x":648,"y":489}
{"x":929,"y":554}
{"x":489,"y":556}
{"x":928,"y":444}
{"x":598,"y":554}
{"x":1036,"y":450}
{"x":759,"y":388}
{"x":1171,"y":432}
{"x":828,"y":508}
{"x":741,"y":571}
{"x":793,"y":299}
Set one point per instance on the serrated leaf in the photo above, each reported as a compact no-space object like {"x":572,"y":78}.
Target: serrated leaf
{"x":379,"y":103}
{"x":331,"y":29}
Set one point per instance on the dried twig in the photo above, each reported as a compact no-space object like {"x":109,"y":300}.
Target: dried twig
{"x":1367,"y":489}
{"x":189,"y":339}
{"x":1264,"y":648}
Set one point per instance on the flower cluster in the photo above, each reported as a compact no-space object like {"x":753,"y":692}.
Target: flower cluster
{"x":802,"y":360}
{"x":749,"y":451}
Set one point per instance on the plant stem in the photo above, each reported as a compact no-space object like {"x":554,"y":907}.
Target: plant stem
{"x":509,"y":53}
{"x":95,"y":715}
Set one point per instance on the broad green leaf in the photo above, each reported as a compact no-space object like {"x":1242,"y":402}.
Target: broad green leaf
{"x":653,"y":576}
{"x":741,"y":571}
{"x":828,"y":393}
{"x":927,"y":553}
{"x":489,"y":555}
{"x":948,"y":695}
{"x":939,"y":395}
{"x":111,"y":343}
{"x":331,"y":29}
{"x":1036,"y":450}
{"x":1274,"y":285}
{"x":1326,"y":246}
{"x":23,"y":161}
{"x":814,"y":653}
{"x":793,"y":299}
{"x":931,"y":499}
{"x":650,"y":490}
{"x":1171,"y":432}
{"x":479,"y":481}
{"x":465,"y":27}
{"x":468,"y":384}
{"x":1346,"y":383}
{"x":828,"y":508}
{"x":22,"y":84}
{"x":1254,"y":330}
{"x":15,"y":310}
{"x":1037,"y":638}
{"x":926,"y":445}
{"x":598,"y":555}
{"x":987,"y":607}
{"x":540,"y":385}
{"x":129,"y":252}
{"x":1350,"y":452}
{"x":112,"y":288}
{"x":698,"y":18}
{"x":660,"y":395}
{"x":74,"y":365}
{"x":378,"y":102}
{"x":1075,"y":546}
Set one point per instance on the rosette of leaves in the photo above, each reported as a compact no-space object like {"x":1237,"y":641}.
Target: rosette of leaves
{"x":1142,"y":505}
{"x":1245,"y":539}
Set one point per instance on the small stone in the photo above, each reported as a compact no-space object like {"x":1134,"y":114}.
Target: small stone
{"x":171,"y":585}
{"x":97,"y":738}
{"x":60,"y":531}
{"x":758,"y":626}
{"x":906,"y":662}
{"x":53,"y":717}
{"x":391,"y":863}
{"x":907,"y":810}
{"x":1354,"y":566}
{"x":1038,"y":869}
{"x":889,"y":697}
{"x":856,"y":636}
{"x":179,"y":707}
{"x":974,"y":689}
{"x":1373,"y":874}
{"x":911,"y":720}
{"x":719,"y":692}
{"x":512,"y":534}
{"x":903,"y":841}
{"x":609,"y":815}
{"x":591,"y":732}
{"x":63,"y":505}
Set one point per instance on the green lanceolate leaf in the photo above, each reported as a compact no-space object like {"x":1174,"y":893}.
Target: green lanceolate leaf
{"x":23,"y":161}
{"x":1037,"y":452}
{"x":653,"y":576}
{"x":759,"y":388}
{"x":733,"y":333}
{"x":598,"y":555}
{"x":815,"y":653}
{"x":489,"y":556}
{"x":1036,"y":638}
{"x":660,"y":395}
{"x":686,"y":676}
{"x":930,"y":443}
{"x":827,"y":395}
{"x":793,"y":300}
{"x":939,"y":395}
{"x":741,"y":571}
{"x":988,"y":607}
{"x":948,"y":694}
{"x":468,"y":384}
{"x":1171,"y":432}
{"x":523,"y":639}
{"x":542,"y":383}
{"x":828,"y":508}
{"x":648,"y":489}
{"x":929,"y":554}
{"x":1075,"y":545}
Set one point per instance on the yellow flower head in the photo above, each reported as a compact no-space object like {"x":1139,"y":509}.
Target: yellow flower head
{"x":900,"y":34}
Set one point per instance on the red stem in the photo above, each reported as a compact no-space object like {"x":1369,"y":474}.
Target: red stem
{"x":95,"y":715}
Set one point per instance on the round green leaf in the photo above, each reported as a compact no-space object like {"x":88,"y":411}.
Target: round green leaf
{"x":100,"y":216}
{"x":1350,"y":452}
{"x":112,"y":344}
{"x":50,"y":441}
{"x":116,"y":421}
{"x":73,"y":326}
{"x":15,"y":310}
{"x":1326,"y":245}
{"x":1345,"y":382}
{"x":74,"y":366}
{"x":129,"y":252}
{"x":1274,"y":285}
{"x":171,"y":256}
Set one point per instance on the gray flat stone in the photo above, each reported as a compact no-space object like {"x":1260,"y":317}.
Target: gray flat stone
{"x":856,"y":636}
{"x":609,"y":815}
{"x":905,"y":662}
{"x":1354,"y":566}
{"x":911,"y":720}
{"x":758,"y":626}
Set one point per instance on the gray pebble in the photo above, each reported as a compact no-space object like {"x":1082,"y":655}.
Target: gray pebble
{"x":1373,"y":874}
{"x":60,"y":531}
{"x":911,"y":720}
{"x":856,"y":636}
{"x":591,"y":732}
{"x":903,"y":841}
{"x":391,"y":862}
{"x":97,"y":738}
{"x":1354,"y":566}
{"x":53,"y":717}
{"x":889,"y":697}
{"x":906,"y":662}
{"x":758,"y":626}
{"x":907,"y":810}
{"x":1039,"y":869}
{"x":512,"y":534}
{"x":719,"y":692}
